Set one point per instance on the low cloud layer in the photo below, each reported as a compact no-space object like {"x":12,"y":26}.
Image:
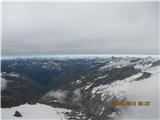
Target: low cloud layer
{"x":60,"y":95}
{"x":76,"y":96}
{"x":3,"y":83}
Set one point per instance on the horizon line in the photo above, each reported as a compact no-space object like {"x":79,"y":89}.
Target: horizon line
{"x":79,"y":55}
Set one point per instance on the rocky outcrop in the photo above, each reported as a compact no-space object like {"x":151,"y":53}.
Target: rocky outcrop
{"x":17,"y":114}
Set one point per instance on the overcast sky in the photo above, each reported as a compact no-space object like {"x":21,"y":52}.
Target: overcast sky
{"x":80,"y":28}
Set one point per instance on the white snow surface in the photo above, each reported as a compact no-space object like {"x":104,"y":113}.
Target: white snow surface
{"x":116,"y":64}
{"x":142,"y":90}
{"x":35,"y":112}
{"x":117,"y":88}
{"x":81,"y":56}
{"x":88,"y":86}
{"x":142,"y":63}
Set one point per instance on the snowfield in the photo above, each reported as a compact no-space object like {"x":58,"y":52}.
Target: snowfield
{"x":32,"y":112}
{"x":117,"y":88}
{"x":143,"y":90}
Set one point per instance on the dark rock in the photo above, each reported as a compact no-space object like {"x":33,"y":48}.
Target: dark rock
{"x":17,"y":114}
{"x":145,"y":75}
{"x":156,"y":63}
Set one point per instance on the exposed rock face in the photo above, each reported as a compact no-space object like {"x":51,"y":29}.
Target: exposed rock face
{"x":82,"y":85}
{"x":17,"y":114}
{"x":19,"y":91}
{"x":145,"y":75}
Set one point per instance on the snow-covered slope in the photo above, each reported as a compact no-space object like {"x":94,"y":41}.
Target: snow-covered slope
{"x":133,"y":90}
{"x":144,"y":90}
{"x":37,"y":111}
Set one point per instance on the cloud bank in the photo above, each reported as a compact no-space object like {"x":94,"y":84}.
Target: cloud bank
{"x":3,"y":83}
{"x":80,"y":28}
{"x":60,"y":95}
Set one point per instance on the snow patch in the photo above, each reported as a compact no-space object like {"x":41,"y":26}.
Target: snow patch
{"x":88,"y":86}
{"x":79,"y":81}
{"x":143,"y":67}
{"x":37,"y":111}
{"x":115,"y":64}
{"x":101,"y":77}
{"x":117,"y":88}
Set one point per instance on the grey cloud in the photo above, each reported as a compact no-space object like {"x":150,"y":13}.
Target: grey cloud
{"x":80,"y":28}
{"x":76,"y":96}
{"x":3,"y":83}
{"x":60,"y":95}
